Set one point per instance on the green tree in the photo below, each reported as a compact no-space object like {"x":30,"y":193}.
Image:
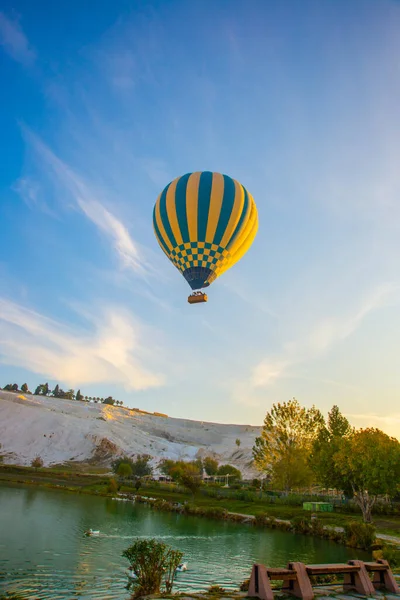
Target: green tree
{"x":166,"y":466}
{"x":210,"y":466}
{"x":56,"y":392}
{"x":124,"y":470}
{"x":79,"y":396}
{"x":190,"y":477}
{"x":287,"y":436}
{"x":292,"y":470}
{"x":141,"y":466}
{"x":122,"y":459}
{"x":37,"y":462}
{"x":109,"y":400}
{"x":152,"y":562}
{"x":45,"y":389}
{"x":24,"y":388}
{"x":369,"y":463}
{"x":70,"y":395}
{"x":324,"y":448}
{"x":237,"y":442}
{"x":39,"y":390}
{"x":229,"y":470}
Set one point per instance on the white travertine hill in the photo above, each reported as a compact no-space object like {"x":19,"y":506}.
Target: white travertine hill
{"x":63,"y":430}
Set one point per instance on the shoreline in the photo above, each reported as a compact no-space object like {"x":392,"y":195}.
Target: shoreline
{"x":304,"y":527}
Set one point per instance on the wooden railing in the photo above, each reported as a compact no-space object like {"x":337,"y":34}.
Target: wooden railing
{"x":296,"y":578}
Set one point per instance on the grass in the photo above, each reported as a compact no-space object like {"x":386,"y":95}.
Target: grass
{"x":93,"y":480}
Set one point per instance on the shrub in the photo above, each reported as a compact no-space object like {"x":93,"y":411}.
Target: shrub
{"x":37,"y":462}
{"x":215,"y":512}
{"x":216,"y":590}
{"x":359,"y":535}
{"x":152,"y":562}
{"x":112,"y":487}
{"x":389,"y":553}
{"x":244,"y":586}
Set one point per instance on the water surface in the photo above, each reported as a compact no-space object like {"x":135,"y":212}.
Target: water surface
{"x":44,"y":554}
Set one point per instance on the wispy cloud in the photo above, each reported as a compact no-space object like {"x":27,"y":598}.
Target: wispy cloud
{"x":15,"y":42}
{"x":85,"y":198}
{"x":113,"y":349}
{"x":320,"y":338}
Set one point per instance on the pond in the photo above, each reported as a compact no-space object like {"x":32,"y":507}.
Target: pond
{"x":44,"y":553}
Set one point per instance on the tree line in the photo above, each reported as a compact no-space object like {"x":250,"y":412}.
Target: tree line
{"x":298,"y":448}
{"x":43,"y":389}
{"x":186,"y":473}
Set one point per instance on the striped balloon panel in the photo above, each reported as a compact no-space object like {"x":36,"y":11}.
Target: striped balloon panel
{"x":205,"y":221}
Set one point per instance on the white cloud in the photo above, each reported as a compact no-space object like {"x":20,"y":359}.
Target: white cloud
{"x":111,"y":350}
{"x":320,"y":338}
{"x":14,"y":41}
{"x":86,"y":199}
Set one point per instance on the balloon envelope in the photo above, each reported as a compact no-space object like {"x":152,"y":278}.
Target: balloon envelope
{"x":204,"y":222}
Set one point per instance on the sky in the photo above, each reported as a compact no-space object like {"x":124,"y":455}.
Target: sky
{"x":102,"y":105}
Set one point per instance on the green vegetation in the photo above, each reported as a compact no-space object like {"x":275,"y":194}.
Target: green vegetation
{"x":283,"y":449}
{"x":43,"y":390}
{"x":138,"y":468}
{"x":297,"y":449}
{"x":153,"y":563}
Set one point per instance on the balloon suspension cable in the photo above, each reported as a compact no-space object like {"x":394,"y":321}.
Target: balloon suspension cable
{"x":197,"y":297}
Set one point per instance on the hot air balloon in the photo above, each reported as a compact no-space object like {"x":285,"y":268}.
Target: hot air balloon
{"x":204,"y":222}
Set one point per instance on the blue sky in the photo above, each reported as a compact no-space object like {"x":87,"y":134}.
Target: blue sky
{"x":101,"y":106}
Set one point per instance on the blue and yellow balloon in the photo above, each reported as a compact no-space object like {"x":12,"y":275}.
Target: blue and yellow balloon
{"x":204,"y":222}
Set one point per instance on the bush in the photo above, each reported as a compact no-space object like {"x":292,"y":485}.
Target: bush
{"x":244,"y":586}
{"x":359,"y":535}
{"x":152,"y":562}
{"x":216,"y":589}
{"x":37,"y":462}
{"x":389,"y":553}
{"x":112,"y":487}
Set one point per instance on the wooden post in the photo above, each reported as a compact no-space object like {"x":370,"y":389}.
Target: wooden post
{"x":385,"y":578}
{"x":260,"y":585}
{"x":358,"y":580}
{"x":301,"y":586}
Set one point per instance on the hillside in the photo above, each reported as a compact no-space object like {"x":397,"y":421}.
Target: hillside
{"x":66,"y":430}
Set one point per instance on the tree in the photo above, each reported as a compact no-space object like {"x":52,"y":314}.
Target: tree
{"x":109,"y":400}
{"x":287,"y":435}
{"x":141,"y":466}
{"x":124,"y":470}
{"x":166,"y":466}
{"x":56,"y":392}
{"x":237,"y":442}
{"x":292,"y":470}
{"x":210,"y":466}
{"x":152,"y":561}
{"x":15,"y":387}
{"x":324,"y":448}
{"x":79,"y":396}
{"x":190,"y":477}
{"x":37,"y":462}
{"x":24,"y":388}
{"x":38,"y":391}
{"x":369,"y":462}
{"x":229,"y":470}
{"x":70,"y":395}
{"x":45,"y":389}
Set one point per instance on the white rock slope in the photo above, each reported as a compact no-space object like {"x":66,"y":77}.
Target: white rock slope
{"x":63,"y":430}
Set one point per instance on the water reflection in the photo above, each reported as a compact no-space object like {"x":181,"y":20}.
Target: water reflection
{"x":43,"y":550}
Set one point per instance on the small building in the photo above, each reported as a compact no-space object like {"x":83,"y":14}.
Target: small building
{"x":318,"y":506}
